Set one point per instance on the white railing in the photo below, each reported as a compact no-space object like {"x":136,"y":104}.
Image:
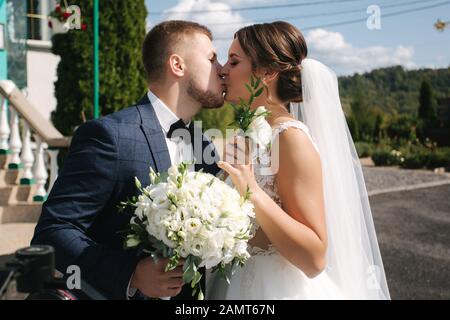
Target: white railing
{"x":30,"y":142}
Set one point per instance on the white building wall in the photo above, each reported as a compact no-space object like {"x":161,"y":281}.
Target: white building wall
{"x":41,"y":74}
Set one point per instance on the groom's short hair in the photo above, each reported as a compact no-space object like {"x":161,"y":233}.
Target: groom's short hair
{"x":160,"y":42}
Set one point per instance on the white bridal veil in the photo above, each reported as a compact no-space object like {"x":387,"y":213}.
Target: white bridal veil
{"x":353,"y":259}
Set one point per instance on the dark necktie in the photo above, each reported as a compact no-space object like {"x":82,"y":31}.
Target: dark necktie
{"x":179,"y":129}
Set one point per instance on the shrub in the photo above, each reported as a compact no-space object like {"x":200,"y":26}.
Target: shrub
{"x":363,"y":149}
{"x":401,"y":128}
{"x":386,"y":156}
{"x":415,"y":161}
{"x":419,"y":156}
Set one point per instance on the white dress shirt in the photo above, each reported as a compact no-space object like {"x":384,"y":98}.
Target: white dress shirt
{"x":178,"y":150}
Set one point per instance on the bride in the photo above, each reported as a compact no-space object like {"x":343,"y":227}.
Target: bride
{"x":314,"y":237}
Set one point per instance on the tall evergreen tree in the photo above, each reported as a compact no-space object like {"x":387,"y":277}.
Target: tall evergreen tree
{"x":427,"y":108}
{"x":122,"y":77}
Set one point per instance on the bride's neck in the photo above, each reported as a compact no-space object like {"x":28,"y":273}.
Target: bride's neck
{"x":277,"y":109}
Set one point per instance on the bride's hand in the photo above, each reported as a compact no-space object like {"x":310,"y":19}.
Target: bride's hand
{"x":239,"y":166}
{"x":242,"y":176}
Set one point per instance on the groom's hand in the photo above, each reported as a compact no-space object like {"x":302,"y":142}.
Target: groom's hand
{"x":151,"y":279}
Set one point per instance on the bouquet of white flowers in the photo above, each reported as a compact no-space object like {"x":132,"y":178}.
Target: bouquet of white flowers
{"x":253,"y":122}
{"x":191,"y":215}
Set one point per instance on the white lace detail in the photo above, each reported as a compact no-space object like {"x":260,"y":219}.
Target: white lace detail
{"x":263,"y":252}
{"x":295,"y":124}
{"x":268,"y":182}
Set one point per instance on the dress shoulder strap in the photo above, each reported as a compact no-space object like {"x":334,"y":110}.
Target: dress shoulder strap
{"x":294,"y":124}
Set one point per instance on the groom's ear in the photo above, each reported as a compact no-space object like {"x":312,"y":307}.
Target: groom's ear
{"x":176,"y":65}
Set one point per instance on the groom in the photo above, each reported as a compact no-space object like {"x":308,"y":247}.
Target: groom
{"x":80,"y":219}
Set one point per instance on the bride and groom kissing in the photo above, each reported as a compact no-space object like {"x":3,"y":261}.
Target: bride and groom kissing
{"x":314,"y":235}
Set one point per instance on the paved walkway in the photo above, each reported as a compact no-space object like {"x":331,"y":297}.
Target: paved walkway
{"x":388,"y":179}
{"x":413,"y":229}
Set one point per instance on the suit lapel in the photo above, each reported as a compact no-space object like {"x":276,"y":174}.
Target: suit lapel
{"x":157,"y":143}
{"x":154,"y":135}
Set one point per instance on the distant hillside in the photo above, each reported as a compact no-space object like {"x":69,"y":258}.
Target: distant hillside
{"x":394,"y":89}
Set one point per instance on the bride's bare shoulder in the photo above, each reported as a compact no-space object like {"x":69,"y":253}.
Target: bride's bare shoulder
{"x":280,"y":120}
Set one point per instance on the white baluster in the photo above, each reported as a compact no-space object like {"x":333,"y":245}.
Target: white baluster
{"x":15,"y":143}
{"x":53,"y":167}
{"x":27,"y":157}
{"x":40,"y":171}
{"x":4,"y":128}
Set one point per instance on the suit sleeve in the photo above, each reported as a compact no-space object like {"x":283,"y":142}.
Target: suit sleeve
{"x":84,"y":187}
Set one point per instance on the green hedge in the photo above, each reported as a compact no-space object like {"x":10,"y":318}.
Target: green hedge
{"x":122,"y":77}
{"x":385,"y":156}
{"x":422,"y":157}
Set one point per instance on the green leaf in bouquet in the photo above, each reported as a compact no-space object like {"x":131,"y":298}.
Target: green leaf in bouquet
{"x":247,"y":194}
{"x":188,"y":274}
{"x":173,"y":261}
{"x":155,"y":256}
{"x":138,"y":183}
{"x":132,"y":241}
{"x":138,"y":230}
{"x":196,"y":279}
{"x":221,"y":269}
{"x":250,"y":100}
{"x":252,"y":81}
{"x":242,"y":101}
{"x":125,"y":204}
{"x":147,"y":194}
{"x":236,"y":264}
{"x":210,"y":183}
{"x":258,"y":93}
{"x":162,"y":177}
{"x":257,"y":83}
{"x":200,"y":296}
{"x":160,"y":248}
{"x":249,"y":89}
{"x":172,"y":198}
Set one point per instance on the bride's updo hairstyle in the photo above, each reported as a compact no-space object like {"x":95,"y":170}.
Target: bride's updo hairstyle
{"x":278,"y":46}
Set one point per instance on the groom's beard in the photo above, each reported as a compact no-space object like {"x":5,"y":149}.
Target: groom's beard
{"x":207,"y":99}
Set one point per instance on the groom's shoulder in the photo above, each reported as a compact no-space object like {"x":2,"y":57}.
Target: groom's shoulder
{"x":114,"y":124}
{"x":128,"y":115}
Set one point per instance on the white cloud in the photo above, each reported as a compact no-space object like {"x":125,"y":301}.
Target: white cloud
{"x":219,"y":19}
{"x":332,"y":49}
{"x":241,"y":3}
{"x":219,"y":15}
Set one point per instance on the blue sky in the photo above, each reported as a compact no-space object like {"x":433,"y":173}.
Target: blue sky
{"x":407,"y":39}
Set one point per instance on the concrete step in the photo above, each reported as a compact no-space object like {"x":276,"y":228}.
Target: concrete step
{"x":4,"y":160}
{"x":20,"y":212}
{"x":13,"y":194}
{"x":14,"y":236}
{"x":10,"y":177}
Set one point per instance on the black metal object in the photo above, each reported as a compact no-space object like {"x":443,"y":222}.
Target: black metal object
{"x":33,"y":269}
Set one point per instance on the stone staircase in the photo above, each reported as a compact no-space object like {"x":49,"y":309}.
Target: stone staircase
{"x":18,"y":212}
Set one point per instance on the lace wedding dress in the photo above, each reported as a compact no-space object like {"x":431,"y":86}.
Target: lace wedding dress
{"x":267,"y":274}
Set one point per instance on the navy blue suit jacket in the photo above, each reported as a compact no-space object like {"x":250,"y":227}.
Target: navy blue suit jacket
{"x":80,"y":218}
